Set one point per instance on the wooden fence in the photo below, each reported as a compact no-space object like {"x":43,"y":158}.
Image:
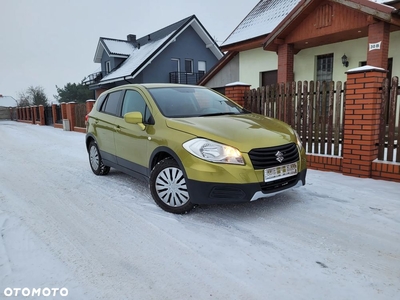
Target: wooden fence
{"x":389,"y":129}
{"x":314,"y":109}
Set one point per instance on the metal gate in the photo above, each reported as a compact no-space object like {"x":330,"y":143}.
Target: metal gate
{"x":48,"y":115}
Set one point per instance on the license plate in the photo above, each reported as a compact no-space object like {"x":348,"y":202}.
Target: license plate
{"x":280,"y":172}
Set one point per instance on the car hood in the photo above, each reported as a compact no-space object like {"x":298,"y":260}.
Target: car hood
{"x":244,"y":132}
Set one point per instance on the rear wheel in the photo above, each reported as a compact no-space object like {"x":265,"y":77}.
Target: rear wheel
{"x":95,"y":160}
{"x":168,"y":187}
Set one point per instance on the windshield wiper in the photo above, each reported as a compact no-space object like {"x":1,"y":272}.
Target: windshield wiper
{"x":219,"y":114}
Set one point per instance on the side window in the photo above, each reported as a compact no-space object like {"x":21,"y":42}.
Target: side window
{"x":133,"y":101}
{"x":100,"y":102}
{"x":112,"y":104}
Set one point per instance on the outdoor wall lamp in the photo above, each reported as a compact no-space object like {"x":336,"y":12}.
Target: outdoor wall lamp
{"x":345,"y":62}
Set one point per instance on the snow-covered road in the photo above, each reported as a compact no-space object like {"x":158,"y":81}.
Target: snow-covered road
{"x":104,"y":237}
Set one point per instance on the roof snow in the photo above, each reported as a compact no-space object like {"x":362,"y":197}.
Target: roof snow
{"x":118,"y":46}
{"x":7,"y":101}
{"x":136,"y":58}
{"x":264,"y":17}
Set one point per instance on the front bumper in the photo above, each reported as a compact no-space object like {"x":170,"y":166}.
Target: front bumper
{"x":218,"y":193}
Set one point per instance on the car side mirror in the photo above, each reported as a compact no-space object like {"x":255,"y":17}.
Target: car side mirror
{"x":135,"y":118}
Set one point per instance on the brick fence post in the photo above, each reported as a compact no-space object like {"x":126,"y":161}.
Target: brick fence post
{"x":362,"y":116}
{"x":71,"y":114}
{"x":236,"y":90}
{"x":41,"y":115}
{"x":33,"y":109}
{"x":63,"y":110}
{"x":54,"y":113}
{"x":89,"y":105}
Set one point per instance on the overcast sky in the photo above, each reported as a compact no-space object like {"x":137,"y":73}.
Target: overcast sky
{"x":53,"y":42}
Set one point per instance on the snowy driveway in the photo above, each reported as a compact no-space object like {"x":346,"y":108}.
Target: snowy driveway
{"x":104,"y":237}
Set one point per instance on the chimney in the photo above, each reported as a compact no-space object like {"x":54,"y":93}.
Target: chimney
{"x":131,"y":38}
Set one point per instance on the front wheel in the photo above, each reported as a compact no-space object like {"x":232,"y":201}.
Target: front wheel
{"x":95,"y":160}
{"x":168,"y":187}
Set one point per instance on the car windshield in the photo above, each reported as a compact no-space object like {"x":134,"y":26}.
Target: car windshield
{"x":177,"y":102}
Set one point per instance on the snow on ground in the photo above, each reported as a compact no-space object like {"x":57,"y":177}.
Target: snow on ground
{"x":104,"y":237}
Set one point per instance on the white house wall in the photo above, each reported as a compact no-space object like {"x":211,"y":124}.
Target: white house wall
{"x":228,"y":74}
{"x":253,"y":62}
{"x":355,"y":50}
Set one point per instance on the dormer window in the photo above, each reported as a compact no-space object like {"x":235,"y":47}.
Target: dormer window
{"x":108,"y":67}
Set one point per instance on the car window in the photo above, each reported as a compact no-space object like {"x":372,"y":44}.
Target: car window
{"x":112,"y":103}
{"x":192,"y":102}
{"x":133,"y":101}
{"x":100,"y":102}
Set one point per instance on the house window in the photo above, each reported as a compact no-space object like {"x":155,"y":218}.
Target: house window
{"x":189,"y":66}
{"x":108,"y":67}
{"x":325,"y":67}
{"x":175,"y":69}
{"x":201,"y":66}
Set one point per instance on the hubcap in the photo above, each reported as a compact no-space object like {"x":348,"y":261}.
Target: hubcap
{"x":94,"y":158}
{"x":171,"y":187}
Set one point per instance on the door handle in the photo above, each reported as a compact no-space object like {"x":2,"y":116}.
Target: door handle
{"x":117,"y":128}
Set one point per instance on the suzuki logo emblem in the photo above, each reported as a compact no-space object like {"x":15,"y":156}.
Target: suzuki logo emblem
{"x":279,"y":156}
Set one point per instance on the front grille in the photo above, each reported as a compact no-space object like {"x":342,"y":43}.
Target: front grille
{"x":263,"y":158}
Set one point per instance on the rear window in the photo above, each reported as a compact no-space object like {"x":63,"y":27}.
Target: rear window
{"x":112,"y":104}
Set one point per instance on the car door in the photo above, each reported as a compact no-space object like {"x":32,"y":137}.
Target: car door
{"x":131,"y":141}
{"x":105,"y":126}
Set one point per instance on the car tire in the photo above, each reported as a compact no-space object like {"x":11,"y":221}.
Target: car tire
{"x":95,"y":160}
{"x":168,"y":187}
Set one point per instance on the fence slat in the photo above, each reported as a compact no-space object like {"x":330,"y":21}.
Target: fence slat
{"x":330,"y":118}
{"x":382,"y":119}
{"x":336,"y":130}
{"x":310,"y":117}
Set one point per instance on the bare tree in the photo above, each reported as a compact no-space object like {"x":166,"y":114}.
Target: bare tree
{"x":33,"y":96}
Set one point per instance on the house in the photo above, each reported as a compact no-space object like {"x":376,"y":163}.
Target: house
{"x":297,"y":40}
{"x":7,"y":101}
{"x":179,"y":53}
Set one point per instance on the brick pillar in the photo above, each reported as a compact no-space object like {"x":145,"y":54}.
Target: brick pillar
{"x":98,"y":92}
{"x":236,"y":90}
{"x":33,"y":108}
{"x":285,"y":63}
{"x":23,"y":113}
{"x":362,"y":116}
{"x":41,"y":115}
{"x":89,"y":105}
{"x":32,"y":113}
{"x":71,"y":114}
{"x":63,"y":110}
{"x":377,"y":56}
{"x":54,"y":113}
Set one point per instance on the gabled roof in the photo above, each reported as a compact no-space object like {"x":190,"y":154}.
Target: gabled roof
{"x":379,"y":10}
{"x":140,"y":53}
{"x":261,"y":20}
{"x":7,"y":101}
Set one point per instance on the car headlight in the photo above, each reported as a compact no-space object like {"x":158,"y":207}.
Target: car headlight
{"x":213,"y":151}
{"x":298,"y":139}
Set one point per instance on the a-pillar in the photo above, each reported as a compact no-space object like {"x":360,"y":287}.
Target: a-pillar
{"x":285,"y":63}
{"x":71,"y":114}
{"x":378,"y":44}
{"x":236,"y":91}
{"x":362,"y":116}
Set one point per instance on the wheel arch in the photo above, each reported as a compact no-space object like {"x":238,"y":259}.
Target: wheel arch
{"x":89,"y":137}
{"x":161,"y":153}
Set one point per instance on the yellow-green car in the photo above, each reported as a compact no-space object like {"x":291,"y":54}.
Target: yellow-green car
{"x":193,"y":145}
